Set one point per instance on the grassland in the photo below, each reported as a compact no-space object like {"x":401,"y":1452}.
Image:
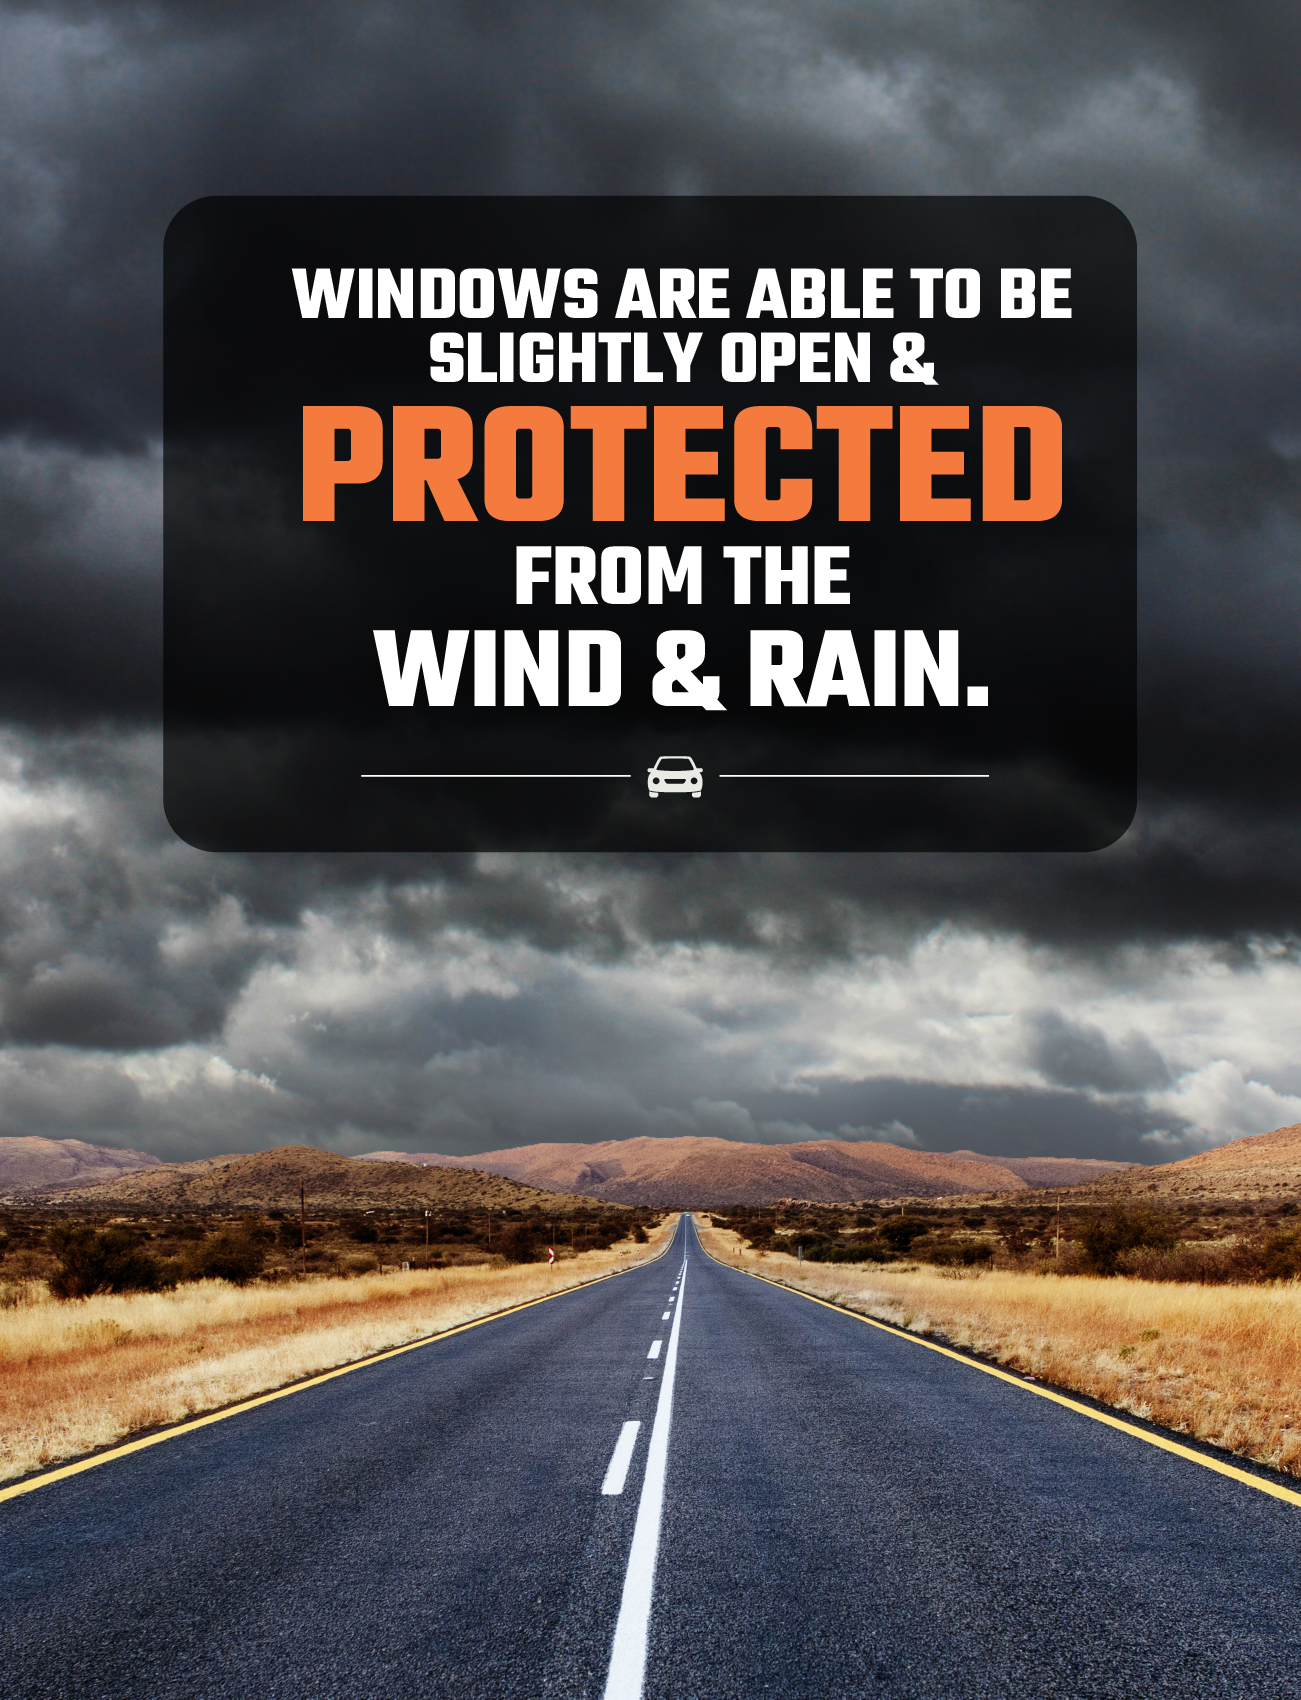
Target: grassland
{"x":1220,"y":1363}
{"x":83,"y":1374}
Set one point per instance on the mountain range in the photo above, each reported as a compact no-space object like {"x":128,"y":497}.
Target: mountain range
{"x":29,"y":1163}
{"x":270,"y":1180}
{"x":663,"y":1173}
{"x":691,"y":1171}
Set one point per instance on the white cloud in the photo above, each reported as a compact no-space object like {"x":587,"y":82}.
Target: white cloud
{"x":351,"y":1031}
{"x":185,"y":1068}
{"x":384,"y":1014}
{"x":1218,"y":1104}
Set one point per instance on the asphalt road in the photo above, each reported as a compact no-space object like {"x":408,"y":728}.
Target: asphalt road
{"x":842,"y":1513}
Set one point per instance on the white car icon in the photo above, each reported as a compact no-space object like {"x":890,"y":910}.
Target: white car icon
{"x":678,"y":775}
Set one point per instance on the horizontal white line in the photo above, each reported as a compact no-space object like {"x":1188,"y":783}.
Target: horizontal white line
{"x":620,"y":1458}
{"x":655,"y":1349}
{"x":629,"y":776}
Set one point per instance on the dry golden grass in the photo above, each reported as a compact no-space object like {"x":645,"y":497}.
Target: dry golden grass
{"x":1220,"y":1363}
{"x":84,"y":1374}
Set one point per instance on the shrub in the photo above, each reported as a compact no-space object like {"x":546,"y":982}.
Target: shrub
{"x":101,"y":1261}
{"x":820,"y":1248}
{"x":814,"y":1245}
{"x":640,"y":1236}
{"x":899,"y":1232}
{"x":831,"y":1251}
{"x":1017,"y":1237}
{"x":232,"y":1255}
{"x":363,"y":1233}
{"x":289,"y":1234}
{"x":1281,"y":1257}
{"x":1104,"y":1239}
{"x":946,"y":1253}
{"x":520,"y":1242}
{"x":872,"y":1253}
{"x":1211,"y":1266}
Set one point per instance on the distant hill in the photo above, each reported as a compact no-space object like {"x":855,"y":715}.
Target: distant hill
{"x":679,"y":1173}
{"x":1263,"y":1166}
{"x":1055,"y":1171}
{"x":269,"y":1180}
{"x":29,"y":1163}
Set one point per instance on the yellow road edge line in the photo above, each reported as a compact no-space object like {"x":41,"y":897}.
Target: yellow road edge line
{"x":193,"y":1423}
{"x":1274,"y":1489}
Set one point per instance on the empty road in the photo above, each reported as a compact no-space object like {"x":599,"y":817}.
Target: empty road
{"x":831,"y":1510}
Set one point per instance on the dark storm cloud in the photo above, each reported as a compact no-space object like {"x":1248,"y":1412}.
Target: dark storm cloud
{"x":157,"y":997}
{"x":80,"y":592}
{"x":114,"y":935}
{"x":1073,"y":1053}
{"x":1246,"y":62}
{"x":118,"y":117}
{"x":998,"y":1121}
{"x":117,"y":943}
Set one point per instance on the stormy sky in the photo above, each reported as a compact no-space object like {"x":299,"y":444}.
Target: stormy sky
{"x":1138,"y":1002}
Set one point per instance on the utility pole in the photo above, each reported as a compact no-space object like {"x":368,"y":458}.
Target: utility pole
{"x":302,"y":1220}
{"x":426,"y":1239}
{"x":1058,"y":1252}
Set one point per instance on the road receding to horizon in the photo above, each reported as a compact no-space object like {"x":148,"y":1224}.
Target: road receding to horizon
{"x":679,"y":1483}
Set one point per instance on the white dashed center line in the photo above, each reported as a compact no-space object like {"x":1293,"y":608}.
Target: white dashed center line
{"x":666,"y":1316}
{"x":620,"y":1459}
{"x":655,"y":1349}
{"x":627,"y":1672}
